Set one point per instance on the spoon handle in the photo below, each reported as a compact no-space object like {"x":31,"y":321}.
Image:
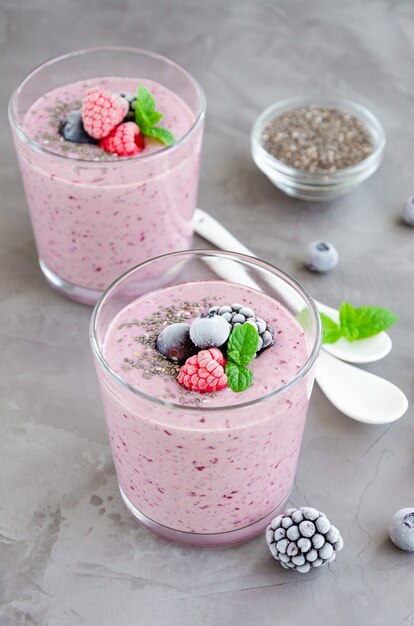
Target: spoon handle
{"x":367,"y":350}
{"x":209,"y":228}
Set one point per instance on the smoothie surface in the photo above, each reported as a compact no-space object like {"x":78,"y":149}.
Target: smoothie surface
{"x":129,"y":345}
{"x":43,"y":119}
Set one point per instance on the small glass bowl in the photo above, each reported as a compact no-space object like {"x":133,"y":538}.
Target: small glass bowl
{"x":316,"y":185}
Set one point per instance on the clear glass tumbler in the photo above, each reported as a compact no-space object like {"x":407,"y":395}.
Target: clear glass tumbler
{"x":92,"y":220}
{"x":248,"y":451}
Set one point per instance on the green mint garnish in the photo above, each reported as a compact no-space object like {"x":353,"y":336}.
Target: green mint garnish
{"x":331,"y":331}
{"x":162,"y":134}
{"x":146,"y":116}
{"x":366,"y":321}
{"x":241,"y":348}
{"x":238,"y":377}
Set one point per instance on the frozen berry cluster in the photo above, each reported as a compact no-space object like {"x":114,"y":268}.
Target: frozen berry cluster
{"x":104,"y":119}
{"x":302,"y":539}
{"x":201,"y":347}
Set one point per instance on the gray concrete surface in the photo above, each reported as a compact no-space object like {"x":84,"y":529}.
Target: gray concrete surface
{"x":70,"y":554}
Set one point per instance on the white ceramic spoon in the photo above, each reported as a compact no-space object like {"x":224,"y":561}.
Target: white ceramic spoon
{"x":361,"y":351}
{"x":359,"y":394}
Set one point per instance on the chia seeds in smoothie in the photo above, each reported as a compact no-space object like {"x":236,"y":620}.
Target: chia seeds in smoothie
{"x":203,"y":463}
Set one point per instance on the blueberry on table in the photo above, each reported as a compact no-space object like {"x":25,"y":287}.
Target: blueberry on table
{"x":321,"y":257}
{"x":174,"y":343}
{"x":72,"y":129}
{"x":401,"y":529}
{"x":408,"y":212}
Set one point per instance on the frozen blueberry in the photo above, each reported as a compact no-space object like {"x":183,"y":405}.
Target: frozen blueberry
{"x":408,"y":212}
{"x":321,"y":257}
{"x":209,"y":331}
{"x":72,"y":129}
{"x":174,"y":343}
{"x":401,"y":529}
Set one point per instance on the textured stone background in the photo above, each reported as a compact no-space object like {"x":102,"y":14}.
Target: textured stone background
{"x":70,"y":554}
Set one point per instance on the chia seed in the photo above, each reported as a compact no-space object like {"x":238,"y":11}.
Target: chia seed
{"x":317,"y":139}
{"x":151,"y":362}
{"x":56,"y":143}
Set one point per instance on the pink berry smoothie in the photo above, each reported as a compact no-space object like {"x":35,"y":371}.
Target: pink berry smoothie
{"x":203,"y":464}
{"x":95,"y":215}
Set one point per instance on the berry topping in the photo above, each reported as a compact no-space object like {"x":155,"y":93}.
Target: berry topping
{"x":72,"y":129}
{"x":209,"y":330}
{"x":102,"y":111}
{"x":401,"y":529}
{"x":124,"y":140}
{"x":237,"y":315}
{"x":174,"y":342}
{"x":321,"y":257}
{"x":408,"y":212}
{"x":131,"y":102}
{"x":204,"y":372}
{"x":293,"y":542}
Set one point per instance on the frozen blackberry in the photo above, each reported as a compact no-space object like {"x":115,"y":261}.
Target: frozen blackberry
{"x":236,"y":315}
{"x":302,"y":539}
{"x":131,"y":98}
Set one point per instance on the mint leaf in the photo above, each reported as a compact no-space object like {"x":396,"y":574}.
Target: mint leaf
{"x":331,"y":331}
{"x":239,"y":378}
{"x":242,"y":344}
{"x":366,"y":321}
{"x":347,"y":319}
{"x":144,"y":107}
{"x":146,"y":116}
{"x":155,"y":117}
{"x":371,"y":320}
{"x":162,"y":134}
{"x":241,"y":348}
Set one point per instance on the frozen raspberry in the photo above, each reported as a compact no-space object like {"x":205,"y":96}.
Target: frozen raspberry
{"x":101,"y":112}
{"x":124,"y":140}
{"x":204,"y":372}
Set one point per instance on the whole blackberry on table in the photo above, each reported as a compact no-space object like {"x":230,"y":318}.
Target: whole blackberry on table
{"x":236,"y":315}
{"x":303,"y":538}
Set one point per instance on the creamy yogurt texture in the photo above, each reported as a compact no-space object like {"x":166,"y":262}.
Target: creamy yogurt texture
{"x":190,"y":467}
{"x":95,"y":215}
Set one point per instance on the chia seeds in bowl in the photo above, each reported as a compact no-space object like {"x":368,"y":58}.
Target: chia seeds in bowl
{"x":317,"y":149}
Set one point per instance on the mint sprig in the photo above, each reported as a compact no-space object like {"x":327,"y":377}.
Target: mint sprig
{"x":356,"y":323}
{"x":241,"y":348}
{"x":146,"y":116}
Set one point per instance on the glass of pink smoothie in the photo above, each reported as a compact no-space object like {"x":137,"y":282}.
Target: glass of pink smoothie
{"x":214,"y":468}
{"x":94,"y":214}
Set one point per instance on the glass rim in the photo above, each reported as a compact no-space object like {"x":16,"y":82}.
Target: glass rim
{"x":281,"y":106}
{"x":37,"y":147}
{"x":212,"y":253}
